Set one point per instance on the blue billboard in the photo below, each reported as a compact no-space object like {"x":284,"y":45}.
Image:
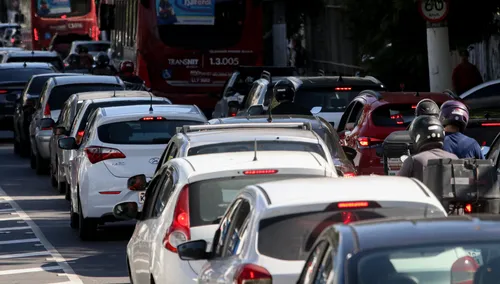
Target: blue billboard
{"x":185,"y":12}
{"x":53,"y":7}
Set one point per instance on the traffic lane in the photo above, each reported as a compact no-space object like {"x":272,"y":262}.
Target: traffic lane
{"x":99,"y":261}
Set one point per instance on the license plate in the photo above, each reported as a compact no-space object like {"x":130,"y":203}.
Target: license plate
{"x":393,"y":173}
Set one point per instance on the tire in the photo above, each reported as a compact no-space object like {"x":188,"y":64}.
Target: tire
{"x":41,"y":166}
{"x":32,"y":160}
{"x":86,"y":227}
{"x":24,"y":150}
{"x":53,"y":180}
{"x":60,"y":185}
{"x":17,"y":146}
{"x":67,"y":194}
{"x":73,"y":218}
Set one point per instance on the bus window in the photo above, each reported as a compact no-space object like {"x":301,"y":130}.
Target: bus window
{"x":69,"y":8}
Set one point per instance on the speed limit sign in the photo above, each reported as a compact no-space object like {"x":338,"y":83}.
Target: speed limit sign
{"x":434,"y":11}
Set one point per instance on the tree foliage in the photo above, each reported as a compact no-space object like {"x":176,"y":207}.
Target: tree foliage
{"x":376,"y":23}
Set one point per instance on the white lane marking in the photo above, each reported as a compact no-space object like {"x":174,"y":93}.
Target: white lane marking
{"x":15,"y":228}
{"x":74,"y":279}
{"x":28,"y":270}
{"x":6,"y":209}
{"x":10,"y":218}
{"x":27,"y":254}
{"x":34,"y":240}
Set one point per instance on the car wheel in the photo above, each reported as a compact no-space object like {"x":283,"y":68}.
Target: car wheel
{"x":86,"y":227}
{"x":40,"y":165}
{"x":32,"y":160}
{"x":53,"y":180}
{"x":67,"y":194}
{"x":74,"y":221}
{"x":24,"y":150}
{"x":17,"y":147}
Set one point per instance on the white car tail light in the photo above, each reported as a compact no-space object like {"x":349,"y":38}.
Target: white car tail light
{"x":252,"y":274}
{"x":179,"y":231}
{"x":97,"y":154}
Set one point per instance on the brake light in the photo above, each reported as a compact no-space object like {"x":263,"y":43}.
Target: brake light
{"x":66,"y":64}
{"x":35,"y":34}
{"x":46,"y":111}
{"x":484,"y":143}
{"x":152,"y":118}
{"x":109,"y":192}
{"x":179,"y":231}
{"x":343,"y":89}
{"x":12,"y":40}
{"x":63,"y":17}
{"x":252,"y":274}
{"x":468,"y":208}
{"x":349,"y":175}
{"x":369,"y":141}
{"x":490,"y":124}
{"x":97,"y":154}
{"x":348,"y":217}
{"x":260,"y":172}
{"x":463,"y":270}
{"x":79,"y":136}
{"x":3,"y":91}
{"x":414,"y":107}
{"x":355,"y":204}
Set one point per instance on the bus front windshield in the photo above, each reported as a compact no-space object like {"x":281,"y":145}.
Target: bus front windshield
{"x":58,"y":8}
{"x":200,"y":24}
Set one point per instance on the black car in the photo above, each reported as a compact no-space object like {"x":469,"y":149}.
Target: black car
{"x":13,"y":78}
{"x":461,"y":249}
{"x":25,"y":107}
{"x":34,"y":56}
{"x":343,"y":162}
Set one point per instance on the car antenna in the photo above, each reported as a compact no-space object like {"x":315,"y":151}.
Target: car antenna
{"x":255,"y":150}
{"x":151,"y":104}
{"x":270,"y":116}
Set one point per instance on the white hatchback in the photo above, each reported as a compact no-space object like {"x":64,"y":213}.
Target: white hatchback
{"x":186,"y":198}
{"x":267,"y":232}
{"x":118,"y":142}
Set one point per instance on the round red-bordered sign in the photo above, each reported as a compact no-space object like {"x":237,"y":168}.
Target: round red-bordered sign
{"x":434,"y":11}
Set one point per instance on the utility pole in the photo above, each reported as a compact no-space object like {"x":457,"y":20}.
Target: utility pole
{"x":280,"y":43}
{"x":438,"y":44}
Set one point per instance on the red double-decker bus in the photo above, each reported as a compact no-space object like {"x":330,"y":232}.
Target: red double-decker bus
{"x":187,"y":49}
{"x":67,"y":19}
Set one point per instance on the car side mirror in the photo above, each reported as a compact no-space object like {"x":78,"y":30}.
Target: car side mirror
{"x":137,"y":183}
{"x":316,"y":110}
{"x":126,"y":211}
{"x":194,"y":250}
{"x":47,"y":123}
{"x":350,"y":152}
{"x":256,"y":110}
{"x":67,"y":143}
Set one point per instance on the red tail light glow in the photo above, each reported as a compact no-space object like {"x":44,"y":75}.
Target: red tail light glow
{"x":369,"y":141}
{"x":354,"y":204}
{"x":484,"y":143}
{"x":152,"y":118}
{"x":468,"y":208}
{"x":79,"y":136}
{"x":3,"y":91}
{"x":260,"y":172}
{"x":490,"y":124}
{"x":348,"y":217}
{"x":349,"y":174}
{"x":46,"y":111}
{"x":252,"y":274}
{"x":109,"y":192}
{"x":12,"y":40}
{"x":63,"y":17}
{"x":179,"y":231}
{"x":97,"y":154}
{"x":343,"y":89}
{"x":232,"y":112}
{"x":463,"y":270}
{"x":35,"y":34}
{"x":414,"y":106}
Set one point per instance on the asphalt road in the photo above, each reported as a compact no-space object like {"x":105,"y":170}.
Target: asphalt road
{"x":37,"y":246}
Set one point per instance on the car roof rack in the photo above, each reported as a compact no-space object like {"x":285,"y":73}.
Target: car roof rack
{"x":372,"y":93}
{"x":290,"y":125}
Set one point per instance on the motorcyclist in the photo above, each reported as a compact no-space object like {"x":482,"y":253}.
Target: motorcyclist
{"x":284,"y":93}
{"x":426,"y":107}
{"x":86,"y":60}
{"x":126,"y":73}
{"x":427,"y":134}
{"x":73,"y":62}
{"x":102,"y":65}
{"x":454,"y":116}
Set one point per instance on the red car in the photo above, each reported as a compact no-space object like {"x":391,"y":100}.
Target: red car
{"x":372,"y":116}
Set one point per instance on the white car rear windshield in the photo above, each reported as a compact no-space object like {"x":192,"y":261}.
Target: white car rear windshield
{"x":60,"y":94}
{"x":290,"y":237}
{"x":141,"y":131}
{"x":209,"y":199}
{"x":247,"y":146}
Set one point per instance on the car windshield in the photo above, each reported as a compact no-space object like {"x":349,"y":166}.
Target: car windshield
{"x":55,"y":61}
{"x":290,"y":237}
{"x":22,"y":74}
{"x":392,"y":115}
{"x":439,"y":264}
{"x":209,"y":199}
{"x":328,"y":99}
{"x":143,"y":131}
{"x":94,"y":106}
{"x":60,"y":94}
{"x":56,"y":8}
{"x":95,"y":47}
{"x":246,"y":146}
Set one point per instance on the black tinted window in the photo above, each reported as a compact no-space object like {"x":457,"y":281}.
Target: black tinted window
{"x":394,"y":115}
{"x":141,"y":131}
{"x":247,"y":146}
{"x":95,"y":47}
{"x":36,"y":85}
{"x":94,"y":106}
{"x":52,"y":60}
{"x":22,"y":74}
{"x":60,"y":94}
{"x":328,"y":98}
{"x":291,"y":237}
